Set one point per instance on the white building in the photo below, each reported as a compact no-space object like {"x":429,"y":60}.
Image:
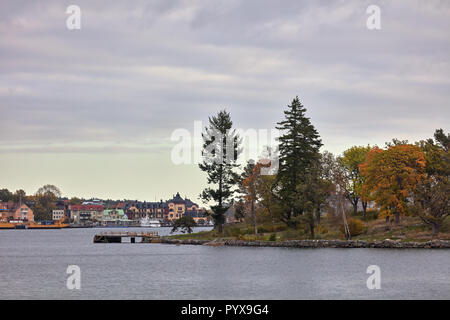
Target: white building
{"x":57,"y":215}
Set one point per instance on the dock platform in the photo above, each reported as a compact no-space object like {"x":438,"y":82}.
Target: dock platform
{"x":116,"y":237}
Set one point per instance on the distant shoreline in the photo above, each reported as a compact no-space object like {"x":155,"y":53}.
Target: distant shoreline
{"x":385,"y":244}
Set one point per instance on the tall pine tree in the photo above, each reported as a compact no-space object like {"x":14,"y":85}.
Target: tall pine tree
{"x":221,"y":148}
{"x":299,"y":145}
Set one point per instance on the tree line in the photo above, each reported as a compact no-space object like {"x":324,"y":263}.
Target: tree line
{"x":43,"y":200}
{"x":400,"y":178}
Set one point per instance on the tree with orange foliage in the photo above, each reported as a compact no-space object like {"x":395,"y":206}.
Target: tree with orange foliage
{"x":249,"y":186}
{"x":391,"y":176}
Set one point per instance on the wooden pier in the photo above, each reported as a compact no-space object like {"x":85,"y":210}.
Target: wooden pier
{"x":116,"y":237}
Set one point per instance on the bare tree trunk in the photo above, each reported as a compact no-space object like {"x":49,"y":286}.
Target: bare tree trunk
{"x":318,"y":214}
{"x":435,"y":229}
{"x":311,"y":228}
{"x":344,"y":218}
{"x":397,"y":217}
{"x":355,"y":207}
{"x":364,"y":205}
{"x":254,"y":217}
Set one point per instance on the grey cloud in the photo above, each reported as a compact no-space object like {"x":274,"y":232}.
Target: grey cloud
{"x":141,"y":69}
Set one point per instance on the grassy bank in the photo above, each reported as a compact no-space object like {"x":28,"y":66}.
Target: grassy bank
{"x":409,"y":229}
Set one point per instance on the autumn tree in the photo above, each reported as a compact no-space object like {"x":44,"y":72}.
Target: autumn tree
{"x":45,"y":198}
{"x":334,"y":172}
{"x":252,"y":184}
{"x":239,"y":210}
{"x":249,"y":189}
{"x":299,"y":146}
{"x":221,"y":148}
{"x":267,"y":199}
{"x":391,"y":177}
{"x":351,"y":160}
{"x":325,"y":184}
{"x":49,"y":188}
{"x":75,"y":201}
{"x":432,"y":195}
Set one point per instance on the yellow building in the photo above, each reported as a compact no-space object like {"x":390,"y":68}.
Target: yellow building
{"x":169,"y":210}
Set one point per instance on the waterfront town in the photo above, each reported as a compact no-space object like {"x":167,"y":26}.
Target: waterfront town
{"x":96,"y":212}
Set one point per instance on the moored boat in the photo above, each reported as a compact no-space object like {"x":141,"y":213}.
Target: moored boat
{"x":56,"y":225}
{"x":7,"y":225}
{"x":146,"y":222}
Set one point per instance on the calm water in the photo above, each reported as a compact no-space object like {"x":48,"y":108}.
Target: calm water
{"x":33,"y":265}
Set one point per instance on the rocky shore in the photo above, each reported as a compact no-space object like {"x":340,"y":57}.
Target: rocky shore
{"x":394,"y":244}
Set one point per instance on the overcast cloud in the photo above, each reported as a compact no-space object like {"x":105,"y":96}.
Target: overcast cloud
{"x":137,"y":70}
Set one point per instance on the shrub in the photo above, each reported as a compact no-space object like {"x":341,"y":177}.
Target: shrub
{"x":273,"y":237}
{"x":279,"y":227}
{"x":356,"y":227}
{"x":235,"y":232}
{"x":251,"y":237}
{"x":265,"y":228}
{"x":321,"y":229}
{"x":371,"y":214}
{"x":290,"y":234}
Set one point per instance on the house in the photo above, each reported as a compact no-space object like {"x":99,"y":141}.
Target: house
{"x":199,"y":216}
{"x":113,"y":214}
{"x":86,"y":212}
{"x":114,"y":217}
{"x":137,"y":210}
{"x":15,"y":211}
{"x":3,"y":211}
{"x":179,"y":207}
{"x":170,"y":210}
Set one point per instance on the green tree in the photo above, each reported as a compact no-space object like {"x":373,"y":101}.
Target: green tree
{"x":354,"y":180}
{"x":299,"y":146}
{"x":221,"y":148}
{"x":49,"y":188}
{"x":432,"y":195}
{"x":75,"y":201}
{"x":184,"y":224}
{"x":314,"y":193}
{"x":5,"y":195}
{"x":45,"y":198}
{"x":19,"y":195}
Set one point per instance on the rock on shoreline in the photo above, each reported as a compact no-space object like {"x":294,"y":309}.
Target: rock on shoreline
{"x":434,"y":244}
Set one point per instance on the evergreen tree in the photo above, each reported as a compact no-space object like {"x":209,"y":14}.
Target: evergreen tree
{"x":221,"y":148}
{"x":184,"y":224}
{"x":5,"y":195}
{"x":299,"y":146}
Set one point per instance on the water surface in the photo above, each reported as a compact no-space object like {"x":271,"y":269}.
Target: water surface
{"x":33,"y":265}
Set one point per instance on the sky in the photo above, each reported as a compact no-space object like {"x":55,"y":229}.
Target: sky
{"x":93,"y":110}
